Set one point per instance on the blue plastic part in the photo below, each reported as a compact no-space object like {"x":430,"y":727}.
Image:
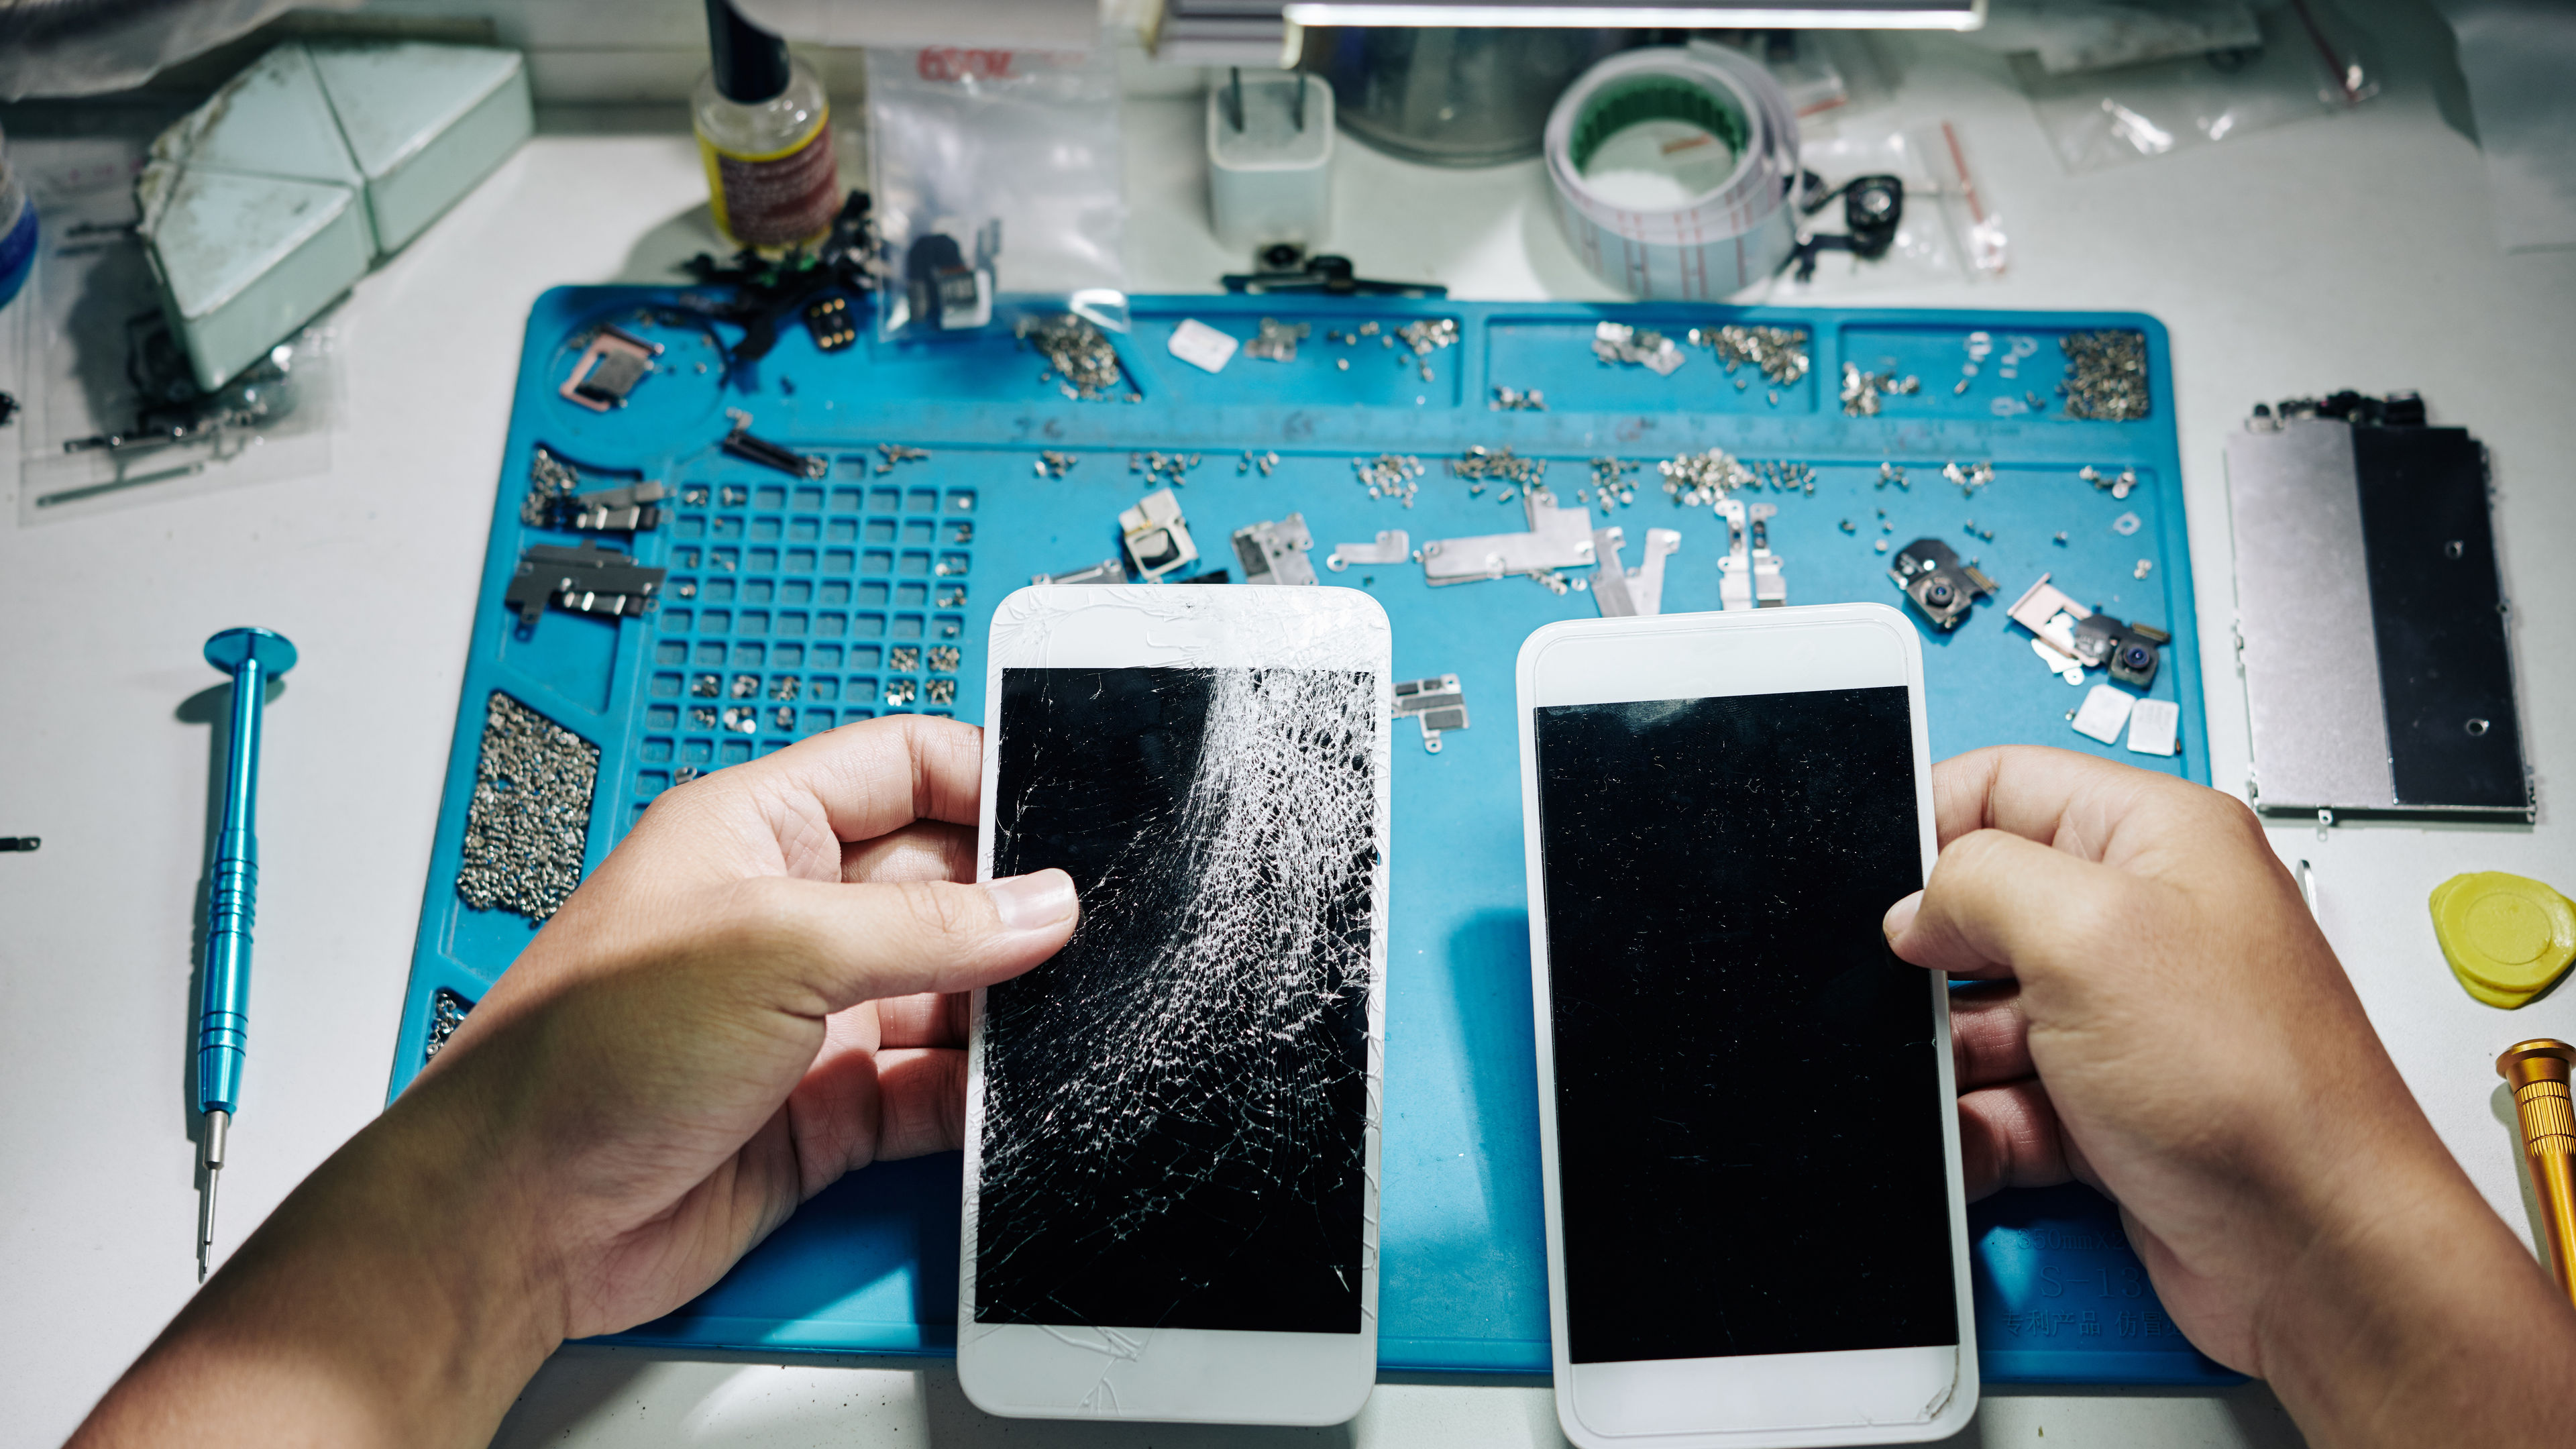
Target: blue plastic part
{"x":18,"y":253}
{"x":252,"y":657}
{"x":823,"y":581}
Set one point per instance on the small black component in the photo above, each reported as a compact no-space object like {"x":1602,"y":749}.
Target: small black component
{"x":937,"y":280}
{"x":19,"y":842}
{"x":2129,"y":651}
{"x":1212,"y":576}
{"x":593,"y":580}
{"x":1940,"y":587}
{"x":8,"y":409}
{"x":741,"y":444}
{"x":1873,"y":206}
{"x":766,"y":289}
{"x":829,"y":321}
{"x":171,"y":409}
{"x":1331,"y":275}
{"x":2397,"y":410}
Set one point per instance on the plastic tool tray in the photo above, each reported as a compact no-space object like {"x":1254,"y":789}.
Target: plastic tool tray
{"x":853,"y":585}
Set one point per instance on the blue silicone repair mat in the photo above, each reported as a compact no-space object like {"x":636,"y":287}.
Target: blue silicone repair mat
{"x":794,"y":604}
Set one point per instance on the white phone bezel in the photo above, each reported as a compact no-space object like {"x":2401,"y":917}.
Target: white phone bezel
{"x":1769,"y":1401}
{"x":1183,"y":1375}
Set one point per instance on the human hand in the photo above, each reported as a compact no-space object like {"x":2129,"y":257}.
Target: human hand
{"x":2168,"y":1024}
{"x":758,"y":991}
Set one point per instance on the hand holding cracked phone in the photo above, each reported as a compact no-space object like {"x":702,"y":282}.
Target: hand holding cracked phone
{"x":1172,"y":1126}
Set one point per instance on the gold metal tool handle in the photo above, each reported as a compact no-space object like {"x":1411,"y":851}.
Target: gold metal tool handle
{"x":2539,"y":1071}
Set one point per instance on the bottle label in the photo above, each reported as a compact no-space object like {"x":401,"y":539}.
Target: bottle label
{"x":780,"y":199}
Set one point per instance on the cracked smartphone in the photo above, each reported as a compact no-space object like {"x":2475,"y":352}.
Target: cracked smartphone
{"x":1172,"y":1125}
{"x":1748,"y":1141}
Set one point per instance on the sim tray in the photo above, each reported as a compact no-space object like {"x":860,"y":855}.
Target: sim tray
{"x":2051,"y":617}
{"x":608,"y":369}
{"x":1437,"y":704}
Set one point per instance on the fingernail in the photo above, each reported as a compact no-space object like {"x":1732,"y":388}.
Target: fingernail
{"x":1901,"y":915}
{"x":1031,"y":902}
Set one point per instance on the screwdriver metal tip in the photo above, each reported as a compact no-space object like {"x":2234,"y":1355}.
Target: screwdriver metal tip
{"x":218,"y":1127}
{"x":206,"y":1220}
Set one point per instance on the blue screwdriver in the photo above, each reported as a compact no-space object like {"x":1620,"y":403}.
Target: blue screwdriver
{"x":252,"y":657}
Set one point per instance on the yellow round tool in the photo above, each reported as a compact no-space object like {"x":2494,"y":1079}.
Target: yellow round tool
{"x":2508,"y":938}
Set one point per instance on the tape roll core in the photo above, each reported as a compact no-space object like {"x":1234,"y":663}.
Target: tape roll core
{"x":1716,"y":242}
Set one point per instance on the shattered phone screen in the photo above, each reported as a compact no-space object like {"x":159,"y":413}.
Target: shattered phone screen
{"x":1749,"y":1117}
{"x":1175,"y":1106}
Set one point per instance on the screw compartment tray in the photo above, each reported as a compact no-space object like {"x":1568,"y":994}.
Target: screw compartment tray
{"x":831,"y":594}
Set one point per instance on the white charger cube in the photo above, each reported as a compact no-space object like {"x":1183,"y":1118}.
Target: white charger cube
{"x":1270,"y":158}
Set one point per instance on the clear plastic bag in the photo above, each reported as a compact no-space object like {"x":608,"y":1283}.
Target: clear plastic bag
{"x":51,"y":49}
{"x":996,"y":180}
{"x":1950,"y":231}
{"x":2309,"y":64}
{"x":114,"y":418}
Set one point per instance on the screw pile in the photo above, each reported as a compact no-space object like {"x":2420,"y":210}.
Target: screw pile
{"x":1862,"y":390}
{"x":1480,"y":466}
{"x":1779,"y":352}
{"x":530,"y":815}
{"x":1697,"y":479}
{"x":2106,"y":375}
{"x":1078,"y":353}
{"x":1390,"y":475}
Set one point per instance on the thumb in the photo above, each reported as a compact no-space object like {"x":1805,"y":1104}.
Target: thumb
{"x":819,"y":947}
{"x":2001,"y":905}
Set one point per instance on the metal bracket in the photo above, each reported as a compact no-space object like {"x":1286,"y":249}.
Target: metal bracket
{"x":1437,"y":704}
{"x":593,"y":580}
{"x":1625,"y":592}
{"x":1107,"y":571}
{"x":1156,"y":537}
{"x":1558,"y":538}
{"x":1392,"y":547}
{"x":741,"y":444}
{"x":1770,"y":591}
{"x":1749,"y":575}
{"x":1275,"y":553}
{"x":626,"y":509}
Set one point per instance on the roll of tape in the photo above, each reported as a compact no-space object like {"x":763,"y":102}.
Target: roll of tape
{"x":1709,"y":244}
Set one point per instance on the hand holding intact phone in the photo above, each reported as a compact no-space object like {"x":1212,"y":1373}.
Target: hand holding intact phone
{"x":1756,"y":1233}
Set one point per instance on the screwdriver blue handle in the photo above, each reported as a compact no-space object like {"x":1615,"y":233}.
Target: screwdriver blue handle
{"x":252,"y":657}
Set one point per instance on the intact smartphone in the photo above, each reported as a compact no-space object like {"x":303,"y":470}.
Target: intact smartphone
{"x":1172,"y":1125}
{"x":1750,"y":1149}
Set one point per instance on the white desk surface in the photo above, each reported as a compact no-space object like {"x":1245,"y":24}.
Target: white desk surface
{"x":2353,"y":252}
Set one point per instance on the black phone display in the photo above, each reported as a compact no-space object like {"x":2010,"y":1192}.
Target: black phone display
{"x":1749,"y":1148}
{"x":1175,"y":1107}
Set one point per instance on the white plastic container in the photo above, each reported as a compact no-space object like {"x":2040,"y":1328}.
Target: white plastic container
{"x":1270,"y":158}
